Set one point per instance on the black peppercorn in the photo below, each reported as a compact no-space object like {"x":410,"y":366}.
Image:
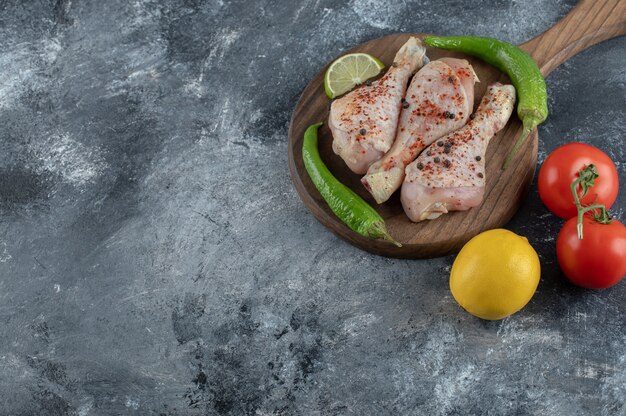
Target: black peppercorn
{"x":478,"y":158}
{"x":363,"y":132}
{"x":446,"y":163}
{"x":480,"y":174}
{"x":472,"y":116}
{"x":446,"y":150}
{"x":439,"y":144}
{"x":450,"y":80}
{"x":437,"y":160}
{"x":405,"y":105}
{"x":420,"y":166}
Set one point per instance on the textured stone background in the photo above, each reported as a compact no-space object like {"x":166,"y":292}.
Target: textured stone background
{"x":155,"y":259}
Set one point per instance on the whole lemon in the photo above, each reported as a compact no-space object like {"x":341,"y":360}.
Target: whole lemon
{"x":495,"y":274}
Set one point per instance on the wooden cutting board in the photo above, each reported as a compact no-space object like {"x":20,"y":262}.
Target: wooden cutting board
{"x":588,"y":23}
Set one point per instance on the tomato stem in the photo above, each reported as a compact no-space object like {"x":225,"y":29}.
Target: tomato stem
{"x":586,"y":179}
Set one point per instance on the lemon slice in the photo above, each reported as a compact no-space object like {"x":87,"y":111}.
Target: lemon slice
{"x":349,"y":71}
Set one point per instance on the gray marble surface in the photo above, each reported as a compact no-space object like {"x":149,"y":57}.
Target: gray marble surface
{"x":155,"y":258}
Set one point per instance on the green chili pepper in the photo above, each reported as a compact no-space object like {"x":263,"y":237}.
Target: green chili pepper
{"x":532,"y":107}
{"x":347,"y":205}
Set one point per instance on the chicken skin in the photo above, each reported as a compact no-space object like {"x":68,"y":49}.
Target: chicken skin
{"x":450,"y":174}
{"x":363,"y":122}
{"x":438,"y":101}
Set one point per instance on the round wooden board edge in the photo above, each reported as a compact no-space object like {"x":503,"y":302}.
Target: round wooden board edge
{"x":381,"y":247}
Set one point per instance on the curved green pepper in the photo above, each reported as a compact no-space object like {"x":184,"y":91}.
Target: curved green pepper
{"x":345,"y":203}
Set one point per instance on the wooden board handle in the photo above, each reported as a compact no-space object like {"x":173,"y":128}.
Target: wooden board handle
{"x":590,"y":22}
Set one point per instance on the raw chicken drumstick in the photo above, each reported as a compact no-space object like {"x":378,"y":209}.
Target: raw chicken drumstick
{"x":364,"y":121}
{"x":438,"y":101}
{"x":450,"y":174}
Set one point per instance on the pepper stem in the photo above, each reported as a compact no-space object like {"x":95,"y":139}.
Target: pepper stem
{"x":586,"y":179}
{"x":378,"y":230}
{"x":518,"y":144}
{"x":530,"y":120}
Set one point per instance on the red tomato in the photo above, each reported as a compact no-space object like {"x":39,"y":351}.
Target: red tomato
{"x":598,"y":260}
{"x":561,"y":168}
